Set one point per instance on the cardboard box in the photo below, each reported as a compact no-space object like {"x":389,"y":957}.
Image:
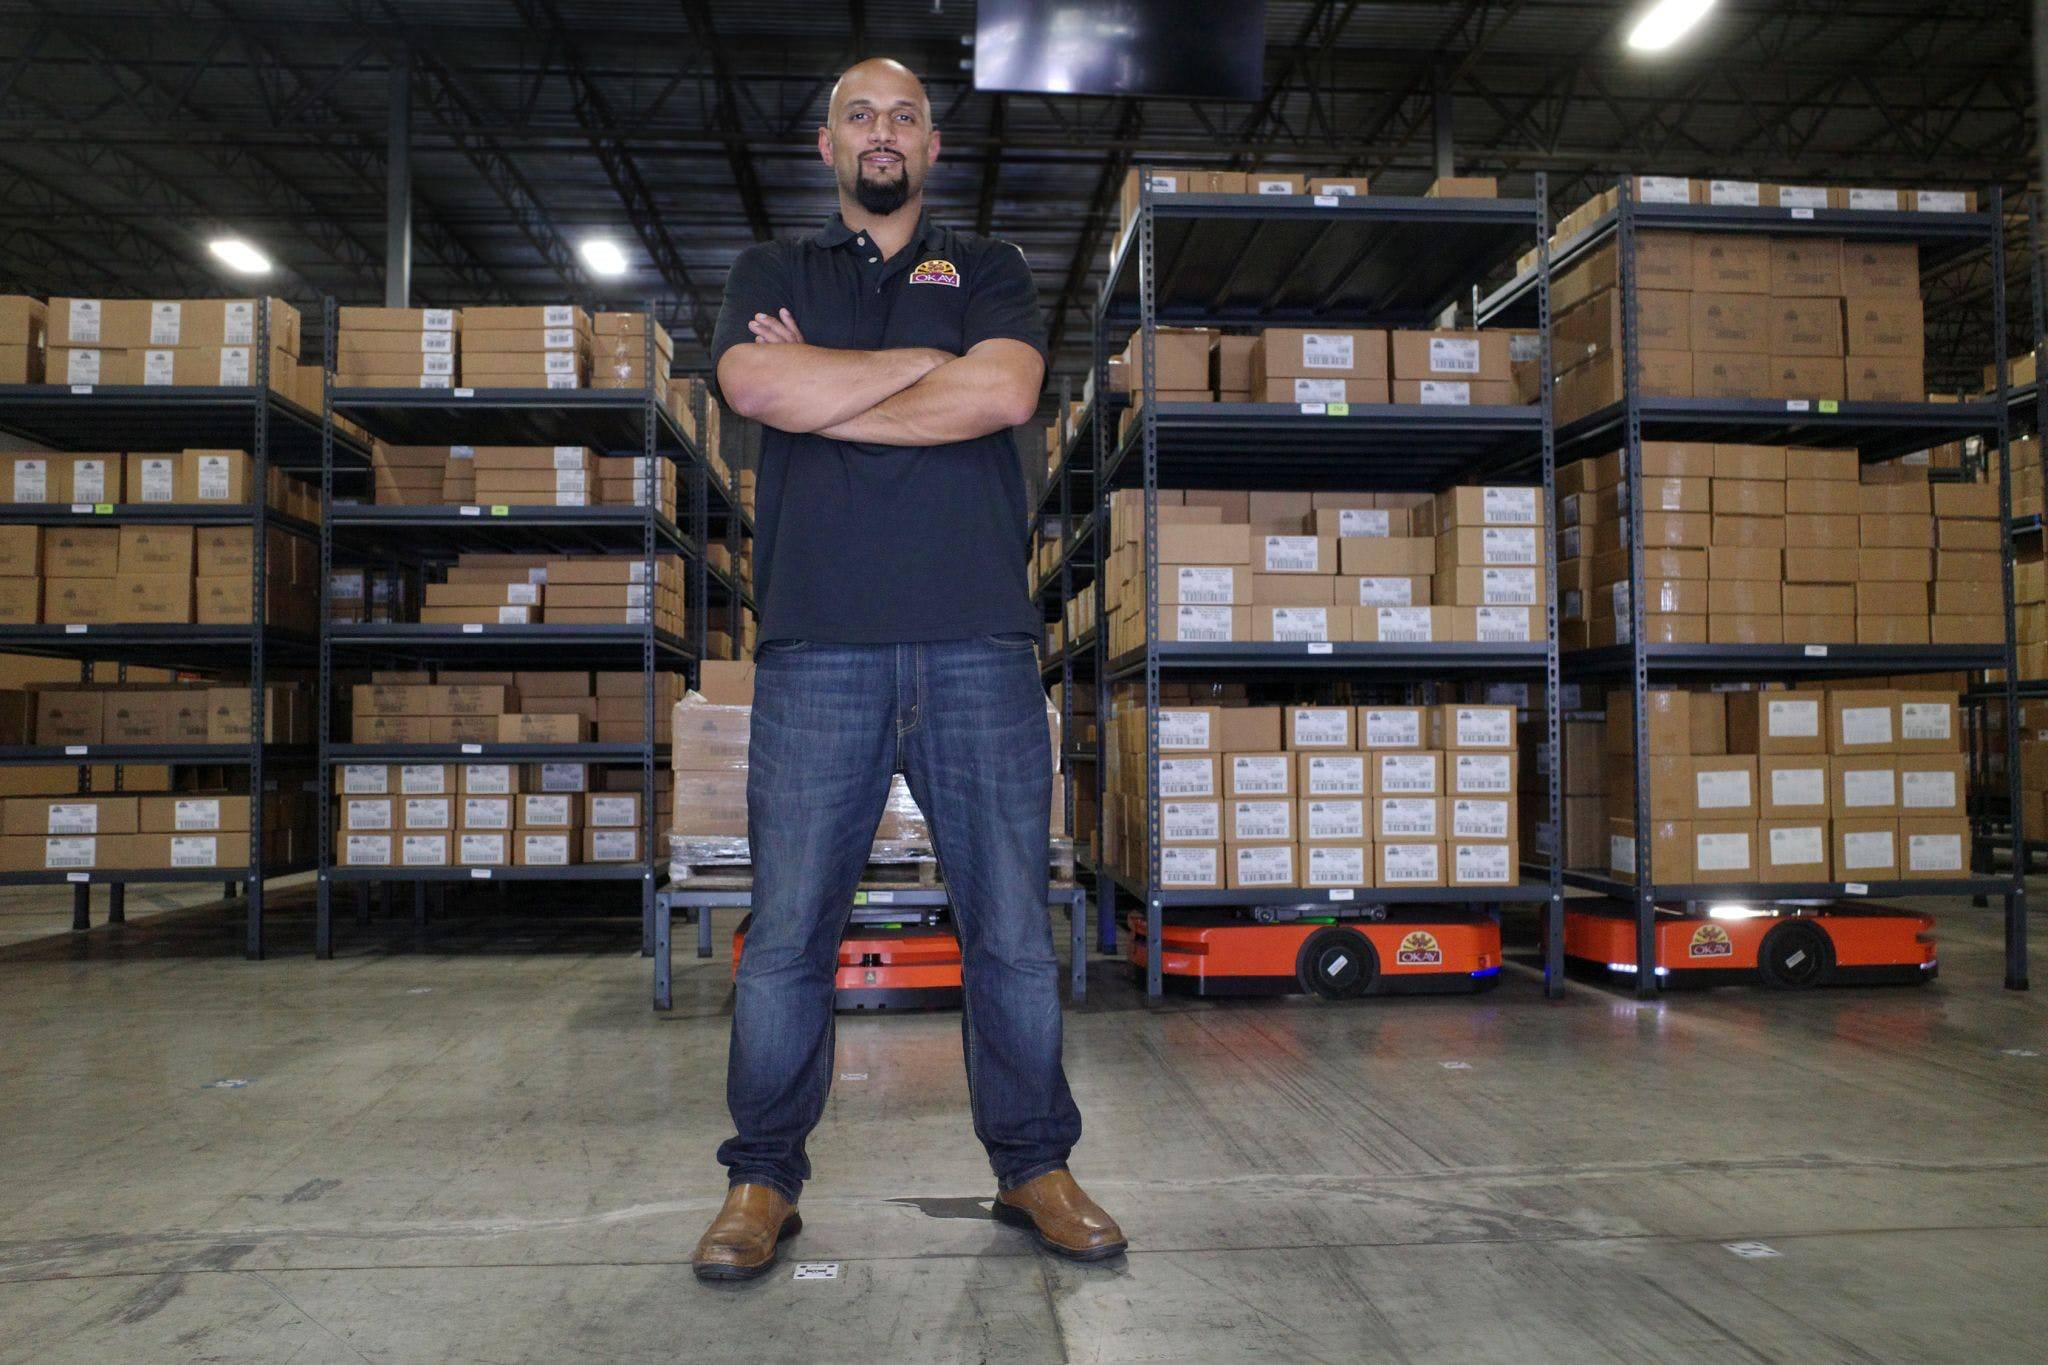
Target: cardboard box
{"x":542,"y":729}
{"x":1932,"y":785}
{"x":1319,"y":727}
{"x":1865,"y":850}
{"x":1391,"y":727}
{"x":1806,"y":267}
{"x":1337,"y":863}
{"x":1318,"y":774}
{"x":1475,"y":773}
{"x":1318,"y":353}
{"x":1182,"y":821}
{"x":1458,"y":355}
{"x":1253,"y":866}
{"x":1192,"y":866}
{"x":1205,"y":585}
{"x":1405,"y":773}
{"x":1863,"y":787}
{"x":1776,"y":722}
{"x":1885,"y":379}
{"x":1724,"y":787}
{"x":1730,"y":263}
{"x":1453,"y":726}
{"x":1933,"y":849}
{"x":1408,"y":817}
{"x":1488,"y":863}
{"x":1281,"y":554}
{"x":1794,"y":786}
{"x":1670,"y":849}
{"x":1793,"y":850}
{"x":1928,"y":723}
{"x":1892,"y":325}
{"x":1409,"y":862}
{"x":1392,"y":556}
{"x":1723,"y":851}
{"x":1333,"y":819}
{"x":533,"y":848}
{"x":1403,"y":625}
{"x":1862,"y":722}
{"x":1731,"y":374}
{"x":1731,"y":322}
{"x":1293,"y":590}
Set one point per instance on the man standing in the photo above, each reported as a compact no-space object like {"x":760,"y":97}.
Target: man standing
{"x":887,"y":359}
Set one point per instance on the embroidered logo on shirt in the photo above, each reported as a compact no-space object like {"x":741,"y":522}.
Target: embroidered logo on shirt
{"x":936,"y":272}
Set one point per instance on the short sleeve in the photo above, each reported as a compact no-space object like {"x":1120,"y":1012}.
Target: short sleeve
{"x":1002,"y":301}
{"x":756,"y":283}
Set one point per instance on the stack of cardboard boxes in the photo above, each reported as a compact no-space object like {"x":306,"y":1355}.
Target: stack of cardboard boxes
{"x":481,"y":815}
{"x":1187,"y":180}
{"x":508,"y":589}
{"x":23,"y":324}
{"x":134,"y":713}
{"x":171,"y":341}
{"x":188,"y":476}
{"x":408,"y":476}
{"x":472,"y":707}
{"x":619,"y":353}
{"x":1347,"y":567}
{"x":144,"y":573}
{"x":1743,"y":315}
{"x":1318,"y":796}
{"x":1777,"y":545}
{"x":1323,"y":365}
{"x":398,"y":348}
{"x":526,"y":348}
{"x":148,"y":831}
{"x":1838,"y":784}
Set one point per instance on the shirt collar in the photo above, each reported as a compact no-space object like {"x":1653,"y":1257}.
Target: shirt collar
{"x":836,"y":233}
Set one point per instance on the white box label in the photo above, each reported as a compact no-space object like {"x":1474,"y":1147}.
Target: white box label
{"x":368,"y":850}
{"x":194,"y":850}
{"x":365,"y":779}
{"x":614,"y":845}
{"x":485,"y":849}
{"x":1721,"y":852}
{"x":1867,"y":725}
{"x":558,"y":339}
{"x":1721,"y":790}
{"x":1445,"y":393}
{"x":1190,"y":821}
{"x":561,"y":777}
{"x":1400,"y":863}
{"x":1874,"y":199}
{"x":1336,"y":775}
{"x":1934,"y":790}
{"x":1802,"y":197}
{"x":523,"y":594}
{"x":1792,"y":719}
{"x":1210,"y":586}
{"x":1187,"y":867}
{"x":82,"y":366}
{"x":166,"y":321}
{"x":1799,"y":787}
{"x":1272,"y":865}
{"x":369,"y":815}
{"x":545,"y":850}
{"x":558,"y":363}
{"x":1743,"y":192}
{"x":1319,"y":391}
{"x":1293,"y":554}
{"x":1940,"y":201}
{"x":1400,"y":729}
{"x":1479,"y":819}
{"x":1503,"y":625}
{"x":75,"y":852}
{"x":1664,"y":189}
{"x":214,"y":478}
{"x":437,"y":364}
{"x":547,"y":810}
{"x":1934,"y":853}
{"x":1322,"y":727}
{"x":1259,"y":774}
{"x":1482,"y":864}
{"x":82,"y":817}
{"x":1272,"y":186}
{"x":1336,"y":865}
{"x":1320,"y":351}
{"x":159,"y":367}
{"x":426,"y":812}
{"x":89,"y":481}
{"x":558,"y":315}
{"x":1386,"y":592}
{"x":1484,"y":727}
{"x":31,"y":480}
{"x":1407,"y":817}
{"x":1204,"y":625}
{"x":1869,"y":787}
{"x":437,"y":319}
{"x":201,"y":813}
{"x":1183,"y":729}
{"x":488,"y":779}
{"x":437,"y":344}
{"x":1406,"y":625}
{"x":85,"y":321}
{"x":1454,"y":355}
{"x":237,"y":365}
{"x":487,"y":812}
{"x":422,"y":779}
{"x":614,"y":811}
{"x":1414,"y":774}
{"x":1798,"y":846}
{"x":515,"y":616}
{"x":1186,"y":777}
{"x":1508,"y":587}
{"x":1335,"y":820}
{"x":1363,"y":521}
{"x":1867,"y":848}
{"x":1508,"y":545}
{"x":1621,"y":853}
{"x":1924,"y":720}
{"x":1262,"y":819}
{"x":1483,"y":773}
{"x":423,"y":850}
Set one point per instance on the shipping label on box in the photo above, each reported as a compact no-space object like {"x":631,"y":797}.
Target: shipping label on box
{"x":1479,"y":774}
{"x":1408,"y":774}
{"x":1390,"y":727}
{"x":1191,"y":866}
{"x":1190,"y":821}
{"x":1333,"y":775}
{"x":1411,"y":863}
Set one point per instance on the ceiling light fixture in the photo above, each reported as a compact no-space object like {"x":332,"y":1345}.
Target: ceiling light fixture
{"x":1665,"y":22}
{"x":603,"y":256}
{"x":238,"y":256}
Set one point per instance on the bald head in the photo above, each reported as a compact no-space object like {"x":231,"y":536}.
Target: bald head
{"x":878,"y":138}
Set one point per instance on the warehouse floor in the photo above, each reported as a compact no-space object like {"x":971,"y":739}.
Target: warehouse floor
{"x":469,"y":1153}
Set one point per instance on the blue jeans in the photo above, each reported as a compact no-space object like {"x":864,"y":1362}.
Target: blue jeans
{"x":964,"y":722}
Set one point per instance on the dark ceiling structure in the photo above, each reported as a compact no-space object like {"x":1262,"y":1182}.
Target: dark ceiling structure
{"x":132,"y":132}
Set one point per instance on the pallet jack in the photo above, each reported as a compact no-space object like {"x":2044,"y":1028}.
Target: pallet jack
{"x":1791,"y":945}
{"x":890,"y":958}
{"x":1286,"y":950}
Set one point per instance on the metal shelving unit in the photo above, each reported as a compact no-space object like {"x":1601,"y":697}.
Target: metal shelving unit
{"x":277,"y":433}
{"x":1262,"y":261}
{"x":1878,"y":431}
{"x":625,"y":423}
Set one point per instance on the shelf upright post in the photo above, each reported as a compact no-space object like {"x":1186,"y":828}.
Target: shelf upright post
{"x":1632,"y":476}
{"x":323,"y":929}
{"x":650,"y":416}
{"x":1148,"y":421}
{"x":259,"y":535}
{"x":1098,"y":422}
{"x":700,"y":540}
{"x":1553,"y":915}
{"x":2016,"y":896}
{"x":1066,"y":595}
{"x":2040,"y":349}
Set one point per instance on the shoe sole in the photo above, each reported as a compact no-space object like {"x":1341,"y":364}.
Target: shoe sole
{"x":1017,"y":1218}
{"x":726,"y":1274}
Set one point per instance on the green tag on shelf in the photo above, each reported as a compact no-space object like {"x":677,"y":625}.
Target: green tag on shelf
{"x":860,"y":898}
{"x":499,"y":509}
{"x":1338,"y":409}
{"x":104,"y":509}
{"x":1830,"y":405}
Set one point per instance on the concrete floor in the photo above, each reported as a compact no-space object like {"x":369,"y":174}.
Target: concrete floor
{"x":489,"y":1149}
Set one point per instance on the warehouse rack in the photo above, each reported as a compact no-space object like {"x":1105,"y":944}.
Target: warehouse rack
{"x":614,"y":422}
{"x":1260,"y":261}
{"x":277,"y":433}
{"x":1878,"y":430}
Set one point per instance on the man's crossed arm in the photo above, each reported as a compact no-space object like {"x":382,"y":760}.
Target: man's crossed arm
{"x":905,"y":397}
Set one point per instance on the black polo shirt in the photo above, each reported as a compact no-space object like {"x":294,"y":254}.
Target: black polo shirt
{"x":874,"y":544}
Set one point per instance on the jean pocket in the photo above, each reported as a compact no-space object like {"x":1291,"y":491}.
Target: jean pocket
{"x":1020,"y":640}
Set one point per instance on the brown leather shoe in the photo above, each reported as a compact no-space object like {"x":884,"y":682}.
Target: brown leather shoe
{"x":1063,"y":1218}
{"x":741,"y":1241}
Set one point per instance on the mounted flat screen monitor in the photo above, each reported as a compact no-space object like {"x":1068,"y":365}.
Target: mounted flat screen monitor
{"x":1191,"y":49}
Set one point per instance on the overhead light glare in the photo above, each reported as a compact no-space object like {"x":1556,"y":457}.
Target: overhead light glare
{"x":238,"y":256}
{"x":1665,"y":22}
{"x":1733,"y":910}
{"x":603,"y":256}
